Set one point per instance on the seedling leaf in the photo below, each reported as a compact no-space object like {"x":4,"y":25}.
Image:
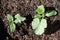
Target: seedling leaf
{"x":37,"y":16}
{"x":35,"y":23}
{"x":19,"y":18}
{"x":9,"y":17}
{"x":39,"y":26}
{"x":51,"y":13}
{"x":40,"y":9}
{"x":39,"y":31}
{"x":12,"y":27}
{"x":43,"y":23}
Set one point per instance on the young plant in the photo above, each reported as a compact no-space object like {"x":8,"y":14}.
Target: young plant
{"x":18,"y":19}
{"x":39,"y":22}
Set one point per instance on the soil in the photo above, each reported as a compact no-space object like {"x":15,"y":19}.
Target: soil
{"x":24,"y":30}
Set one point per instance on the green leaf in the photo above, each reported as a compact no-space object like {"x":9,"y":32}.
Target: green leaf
{"x":43,"y":23}
{"x":12,"y":27}
{"x":39,"y":31}
{"x":37,"y":16}
{"x":39,"y":26}
{"x":51,"y":13}
{"x":40,"y":9}
{"x":9,"y":17}
{"x":19,"y":18}
{"x":35,"y":23}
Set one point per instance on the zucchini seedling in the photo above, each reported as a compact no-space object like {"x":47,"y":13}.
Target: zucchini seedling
{"x":39,"y":22}
{"x":18,"y":19}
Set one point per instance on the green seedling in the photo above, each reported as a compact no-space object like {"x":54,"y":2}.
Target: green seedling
{"x":18,"y":19}
{"x":39,"y":22}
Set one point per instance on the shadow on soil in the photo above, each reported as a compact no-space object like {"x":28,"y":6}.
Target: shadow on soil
{"x":28,"y":19}
{"x":53,"y":27}
{"x":3,"y":32}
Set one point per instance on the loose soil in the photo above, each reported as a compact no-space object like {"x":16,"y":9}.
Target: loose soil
{"x":24,"y":30}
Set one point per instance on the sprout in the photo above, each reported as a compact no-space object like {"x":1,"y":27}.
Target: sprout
{"x":18,"y":19}
{"x":39,"y":22}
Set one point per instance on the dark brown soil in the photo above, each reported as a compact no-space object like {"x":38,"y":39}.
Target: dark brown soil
{"x":24,"y":30}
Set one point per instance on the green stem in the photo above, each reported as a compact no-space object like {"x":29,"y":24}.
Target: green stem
{"x":43,"y":15}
